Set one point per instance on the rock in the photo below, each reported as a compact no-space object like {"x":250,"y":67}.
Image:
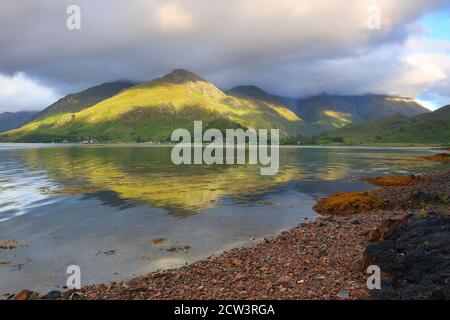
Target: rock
{"x":415,"y":258}
{"x":237,"y":262}
{"x":53,"y":295}
{"x":75,"y":296}
{"x":421,"y":196}
{"x":343,"y":294}
{"x":139,"y":290}
{"x":10,"y":244}
{"x":239,"y":276}
{"x":283,"y":281}
{"x":23,"y":295}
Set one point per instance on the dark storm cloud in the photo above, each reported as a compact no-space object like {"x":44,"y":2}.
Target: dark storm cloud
{"x":289,"y":47}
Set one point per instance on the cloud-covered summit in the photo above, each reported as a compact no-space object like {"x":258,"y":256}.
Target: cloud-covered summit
{"x":288,"y":47}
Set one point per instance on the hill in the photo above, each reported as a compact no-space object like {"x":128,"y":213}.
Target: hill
{"x":84,"y":99}
{"x":12,"y":120}
{"x":152,"y":110}
{"x":429,"y":128}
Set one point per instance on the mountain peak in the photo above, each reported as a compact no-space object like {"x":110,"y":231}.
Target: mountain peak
{"x":251,"y":91}
{"x":181,"y":76}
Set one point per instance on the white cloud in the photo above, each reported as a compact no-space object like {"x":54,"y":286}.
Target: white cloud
{"x":429,"y":77}
{"x":20,"y":93}
{"x":174,"y":18}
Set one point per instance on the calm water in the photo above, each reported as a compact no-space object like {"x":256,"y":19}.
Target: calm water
{"x":100,"y":207}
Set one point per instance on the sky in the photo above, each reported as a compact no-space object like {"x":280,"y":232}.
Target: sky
{"x":294,"y":48}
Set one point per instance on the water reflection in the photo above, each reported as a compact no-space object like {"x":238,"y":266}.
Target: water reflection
{"x":123,"y":177}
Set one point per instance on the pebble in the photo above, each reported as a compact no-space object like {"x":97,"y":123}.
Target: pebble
{"x":343,"y":294}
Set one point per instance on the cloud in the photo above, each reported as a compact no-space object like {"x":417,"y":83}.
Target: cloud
{"x":18,"y":92}
{"x":289,"y":47}
{"x":431,"y":58}
{"x":173,"y":18}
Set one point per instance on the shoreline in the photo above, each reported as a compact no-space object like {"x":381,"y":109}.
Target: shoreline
{"x":323,"y":259}
{"x":401,"y":146}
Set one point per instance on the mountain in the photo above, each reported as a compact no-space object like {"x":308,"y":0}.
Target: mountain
{"x":253,"y":92}
{"x":12,"y":120}
{"x":432,"y":127}
{"x":152,"y":110}
{"x":328,"y":112}
{"x":84,"y":99}
{"x":257,"y":95}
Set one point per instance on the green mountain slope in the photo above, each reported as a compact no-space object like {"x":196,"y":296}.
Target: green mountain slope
{"x":12,"y":120}
{"x":152,"y":110}
{"x":433,"y":127}
{"x":84,"y":99}
{"x":257,"y":95}
{"x":328,"y":112}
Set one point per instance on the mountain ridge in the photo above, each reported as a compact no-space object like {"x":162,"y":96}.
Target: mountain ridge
{"x":328,"y":112}
{"x":432,"y":127}
{"x":13,"y":120}
{"x":150,"y":111}
{"x":123,"y":111}
{"x":84,"y":99}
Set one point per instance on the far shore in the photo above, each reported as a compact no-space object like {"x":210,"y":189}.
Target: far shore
{"x":169,"y":145}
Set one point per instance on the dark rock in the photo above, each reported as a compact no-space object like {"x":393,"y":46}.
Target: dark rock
{"x":421,"y":196}
{"x":414,"y":259}
{"x":53,"y":295}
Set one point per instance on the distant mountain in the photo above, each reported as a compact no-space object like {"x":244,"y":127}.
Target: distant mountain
{"x":84,"y":99}
{"x":328,"y":112}
{"x":152,"y":110}
{"x":13,"y":120}
{"x":121,"y":111}
{"x":432,"y":127}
